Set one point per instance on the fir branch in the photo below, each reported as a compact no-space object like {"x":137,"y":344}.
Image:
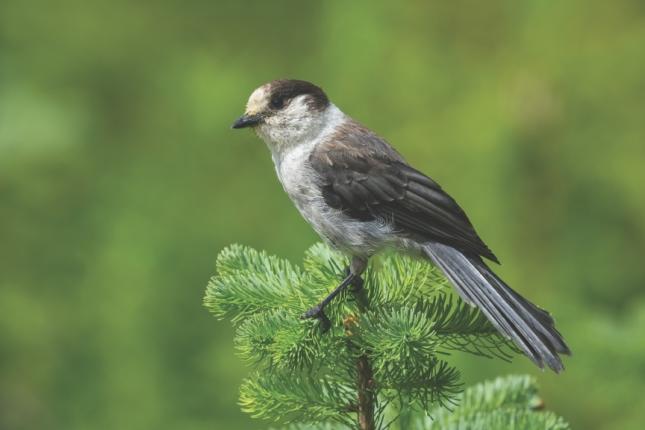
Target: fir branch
{"x":399,"y":337}
{"x":279,"y":339}
{"x":503,"y":419}
{"x":396,"y":279}
{"x":380,"y":359}
{"x":519,"y":391}
{"x":434,"y":383}
{"x":315,"y":426}
{"x":509,"y":403}
{"x":462,"y":327}
{"x":323,"y":264}
{"x":249,"y":281}
{"x":295,"y":396}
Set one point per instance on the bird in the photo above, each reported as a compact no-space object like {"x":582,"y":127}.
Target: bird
{"x":361,"y":197}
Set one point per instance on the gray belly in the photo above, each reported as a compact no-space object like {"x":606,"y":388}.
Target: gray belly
{"x":346,"y":234}
{"x":339,"y":230}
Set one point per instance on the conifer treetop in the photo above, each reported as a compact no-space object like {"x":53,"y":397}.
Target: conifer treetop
{"x":388,"y":348}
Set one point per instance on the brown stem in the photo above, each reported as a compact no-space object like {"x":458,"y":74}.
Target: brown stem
{"x":366,"y":398}
{"x":365,"y":375}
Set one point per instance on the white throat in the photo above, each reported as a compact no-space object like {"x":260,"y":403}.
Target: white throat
{"x":313,"y":128}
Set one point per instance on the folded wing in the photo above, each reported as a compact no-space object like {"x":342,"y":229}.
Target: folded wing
{"x":366,"y":179}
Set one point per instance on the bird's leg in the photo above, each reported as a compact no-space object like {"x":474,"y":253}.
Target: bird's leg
{"x":353,"y":277}
{"x":318,"y":311}
{"x":359,"y":293}
{"x":357,"y":282}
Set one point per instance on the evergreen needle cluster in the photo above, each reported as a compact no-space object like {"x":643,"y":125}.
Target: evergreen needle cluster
{"x":383,"y":362}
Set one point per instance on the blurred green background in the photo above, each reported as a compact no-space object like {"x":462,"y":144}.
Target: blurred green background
{"x":120,"y":180}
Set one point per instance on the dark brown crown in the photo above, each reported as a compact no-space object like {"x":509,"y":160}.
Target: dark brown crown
{"x":283,"y":90}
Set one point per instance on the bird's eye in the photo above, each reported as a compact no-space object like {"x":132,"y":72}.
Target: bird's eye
{"x":277,"y":102}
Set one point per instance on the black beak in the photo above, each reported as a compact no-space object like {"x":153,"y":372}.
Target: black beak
{"x":247,"y":121}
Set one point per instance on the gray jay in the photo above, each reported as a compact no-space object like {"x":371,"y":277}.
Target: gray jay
{"x":361,"y":196}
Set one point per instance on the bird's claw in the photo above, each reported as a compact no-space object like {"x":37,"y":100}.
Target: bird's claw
{"x":318,"y":313}
{"x":313,"y":312}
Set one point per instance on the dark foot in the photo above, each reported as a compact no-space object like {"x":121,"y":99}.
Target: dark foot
{"x":318,"y":313}
{"x":314,"y":312}
{"x":357,"y":285}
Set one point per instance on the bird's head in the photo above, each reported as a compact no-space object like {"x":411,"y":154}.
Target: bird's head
{"x":285,"y":112}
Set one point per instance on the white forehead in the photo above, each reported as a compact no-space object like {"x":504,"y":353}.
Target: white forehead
{"x":258,"y":100}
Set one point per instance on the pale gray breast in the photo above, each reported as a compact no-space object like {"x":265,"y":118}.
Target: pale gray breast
{"x":298,"y":179}
{"x":302,"y":184}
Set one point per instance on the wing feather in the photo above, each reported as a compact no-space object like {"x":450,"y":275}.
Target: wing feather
{"x":364,"y":177}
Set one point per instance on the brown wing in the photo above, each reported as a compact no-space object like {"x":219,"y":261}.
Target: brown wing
{"x":364,"y":177}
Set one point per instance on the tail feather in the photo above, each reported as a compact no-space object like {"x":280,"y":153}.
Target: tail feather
{"x":531,"y":328}
{"x":541,"y":319}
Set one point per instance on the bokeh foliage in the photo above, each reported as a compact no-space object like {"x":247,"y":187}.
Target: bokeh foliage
{"x":120,"y":181}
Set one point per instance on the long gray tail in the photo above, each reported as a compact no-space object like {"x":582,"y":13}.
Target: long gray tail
{"x":531,"y":328}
